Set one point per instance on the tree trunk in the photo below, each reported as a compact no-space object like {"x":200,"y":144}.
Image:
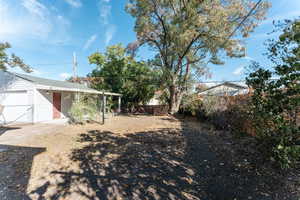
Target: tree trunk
{"x":175,"y":99}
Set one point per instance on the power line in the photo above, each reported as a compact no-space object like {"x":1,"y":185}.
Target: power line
{"x":241,"y":23}
{"x":53,"y":64}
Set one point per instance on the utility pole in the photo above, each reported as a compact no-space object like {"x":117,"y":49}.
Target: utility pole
{"x":74,"y":66}
{"x":77,"y":95}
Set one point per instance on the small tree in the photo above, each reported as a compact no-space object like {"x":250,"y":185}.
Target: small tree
{"x":276,"y":102}
{"x":7,"y":61}
{"x":120,"y":73}
{"x":188,"y":34}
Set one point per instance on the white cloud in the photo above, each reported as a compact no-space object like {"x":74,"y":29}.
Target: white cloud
{"x":35,"y":8}
{"x":74,"y":3}
{"x":32,"y":20}
{"x":89,"y":42}
{"x":105,"y":12}
{"x":110,"y":31}
{"x":61,"y":34}
{"x":64,"y":75}
{"x":238,"y":71}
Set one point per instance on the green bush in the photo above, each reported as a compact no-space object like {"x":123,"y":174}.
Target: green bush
{"x":191,"y":105}
{"x":84,"y":109}
{"x":275,"y":102}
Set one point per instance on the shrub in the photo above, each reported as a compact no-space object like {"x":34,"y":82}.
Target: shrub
{"x":274,"y":103}
{"x":238,"y":115}
{"x":191,"y":105}
{"x":229,"y":113}
{"x":84,"y":109}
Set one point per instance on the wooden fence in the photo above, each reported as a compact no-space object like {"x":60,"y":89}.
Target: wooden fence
{"x":148,"y":109}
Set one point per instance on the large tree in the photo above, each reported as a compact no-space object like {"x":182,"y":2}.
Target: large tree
{"x":188,"y":34}
{"x":12,"y":60}
{"x":118,"y":72}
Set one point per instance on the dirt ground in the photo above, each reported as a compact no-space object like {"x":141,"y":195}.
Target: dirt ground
{"x":133,"y":158}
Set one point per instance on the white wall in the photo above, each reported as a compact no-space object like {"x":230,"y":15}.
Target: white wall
{"x":154,"y":102}
{"x":16,"y":98}
{"x":10,"y":82}
{"x":17,"y":108}
{"x":43,"y":106}
{"x":17,"y":95}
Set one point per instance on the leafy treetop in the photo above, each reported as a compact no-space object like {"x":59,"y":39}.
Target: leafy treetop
{"x":120,"y":73}
{"x":187,"y":34}
{"x":7,"y":61}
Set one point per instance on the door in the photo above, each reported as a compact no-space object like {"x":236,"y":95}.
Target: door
{"x":15,"y":107}
{"x":56,"y":105}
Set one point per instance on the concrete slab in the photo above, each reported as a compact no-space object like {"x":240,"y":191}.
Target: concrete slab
{"x":13,"y":135}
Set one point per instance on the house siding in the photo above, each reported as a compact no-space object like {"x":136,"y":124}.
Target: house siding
{"x":24,"y":98}
{"x":224,"y":90}
{"x":43,"y":106}
{"x":9,"y":82}
{"x":16,"y":98}
{"x":16,"y":107}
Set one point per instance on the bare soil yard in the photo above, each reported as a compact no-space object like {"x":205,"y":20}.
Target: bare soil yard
{"x":137,"y":157}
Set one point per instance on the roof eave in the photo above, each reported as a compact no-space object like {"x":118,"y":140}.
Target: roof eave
{"x":90,"y":91}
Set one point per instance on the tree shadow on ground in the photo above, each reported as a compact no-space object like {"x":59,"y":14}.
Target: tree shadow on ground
{"x":15,"y":168}
{"x":154,"y":165}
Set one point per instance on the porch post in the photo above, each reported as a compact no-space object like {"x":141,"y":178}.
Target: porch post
{"x":119,"y":104}
{"x":103,"y":107}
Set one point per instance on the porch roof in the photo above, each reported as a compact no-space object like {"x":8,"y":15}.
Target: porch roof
{"x":54,"y":85}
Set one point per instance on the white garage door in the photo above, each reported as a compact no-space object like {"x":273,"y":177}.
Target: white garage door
{"x":16,"y":107}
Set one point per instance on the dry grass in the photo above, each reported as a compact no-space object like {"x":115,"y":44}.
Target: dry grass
{"x":137,"y":157}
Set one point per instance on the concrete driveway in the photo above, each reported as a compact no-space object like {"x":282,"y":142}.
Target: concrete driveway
{"x":16,"y":134}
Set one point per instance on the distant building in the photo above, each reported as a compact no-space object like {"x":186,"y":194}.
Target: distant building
{"x":225,"y":89}
{"x":156,"y":99}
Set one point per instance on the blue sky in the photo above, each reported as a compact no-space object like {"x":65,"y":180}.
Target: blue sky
{"x":45,"y":33}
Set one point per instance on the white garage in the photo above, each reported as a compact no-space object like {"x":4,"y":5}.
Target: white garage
{"x":29,"y":99}
{"x":16,"y":110}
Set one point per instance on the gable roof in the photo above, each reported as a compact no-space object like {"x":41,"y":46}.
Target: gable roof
{"x":228,"y":84}
{"x":53,"y":83}
{"x":236,"y":89}
{"x":49,"y":84}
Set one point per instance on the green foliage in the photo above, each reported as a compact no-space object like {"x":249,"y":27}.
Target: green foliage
{"x":191,"y":105}
{"x":120,"y":73}
{"x":275,"y":103}
{"x":84,"y":109}
{"x":11,"y":61}
{"x":187,"y":34}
